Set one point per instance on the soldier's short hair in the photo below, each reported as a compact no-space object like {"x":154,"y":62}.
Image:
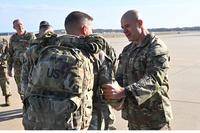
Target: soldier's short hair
{"x":16,"y":20}
{"x":76,"y":18}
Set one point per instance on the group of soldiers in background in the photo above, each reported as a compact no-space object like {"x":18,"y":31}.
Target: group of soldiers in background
{"x":79,"y":90}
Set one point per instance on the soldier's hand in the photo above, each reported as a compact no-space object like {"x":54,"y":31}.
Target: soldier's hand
{"x":9,"y":73}
{"x":113,"y":91}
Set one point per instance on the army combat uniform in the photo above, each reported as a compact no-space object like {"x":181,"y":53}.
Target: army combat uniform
{"x":3,"y":78}
{"x":104,"y":59}
{"x":102,"y":114}
{"x":17,"y":47}
{"x":142,"y":70}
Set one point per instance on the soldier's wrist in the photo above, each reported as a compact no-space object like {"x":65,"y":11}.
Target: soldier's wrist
{"x":73,"y":106}
{"x":126,"y":90}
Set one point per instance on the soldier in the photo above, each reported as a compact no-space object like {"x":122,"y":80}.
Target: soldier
{"x":60,"y":82}
{"x":3,"y":78}
{"x":79,"y":24}
{"x":18,"y":44}
{"x":142,"y":77}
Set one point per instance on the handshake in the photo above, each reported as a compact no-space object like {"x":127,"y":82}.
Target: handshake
{"x":114,"y":94}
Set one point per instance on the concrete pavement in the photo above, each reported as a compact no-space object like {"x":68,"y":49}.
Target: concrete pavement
{"x":184,"y":78}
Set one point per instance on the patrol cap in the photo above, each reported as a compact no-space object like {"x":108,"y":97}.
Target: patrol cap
{"x":44,"y":23}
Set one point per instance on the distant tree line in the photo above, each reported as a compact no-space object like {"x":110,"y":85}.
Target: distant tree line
{"x":197,"y":28}
{"x":62,"y":31}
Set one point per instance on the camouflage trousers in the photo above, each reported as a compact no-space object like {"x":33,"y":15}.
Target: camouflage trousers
{"x":17,"y":77}
{"x":3,"y":83}
{"x":163,"y":126}
{"x":102,"y":117}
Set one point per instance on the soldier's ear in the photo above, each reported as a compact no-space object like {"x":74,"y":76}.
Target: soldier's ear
{"x":83,"y":30}
{"x":140,"y":23}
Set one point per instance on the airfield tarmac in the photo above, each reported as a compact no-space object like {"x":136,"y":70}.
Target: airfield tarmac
{"x":184,"y":79}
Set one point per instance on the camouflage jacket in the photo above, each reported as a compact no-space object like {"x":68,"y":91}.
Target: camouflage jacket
{"x":103,"y":58}
{"x":16,"y":48}
{"x":104,"y":63}
{"x":142,"y":70}
{"x":3,"y":52}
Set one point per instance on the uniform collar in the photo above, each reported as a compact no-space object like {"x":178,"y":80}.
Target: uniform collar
{"x":145,"y":42}
{"x":21,"y":35}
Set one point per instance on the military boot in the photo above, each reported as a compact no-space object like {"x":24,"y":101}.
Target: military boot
{"x":7,"y":101}
{"x":22,"y":97}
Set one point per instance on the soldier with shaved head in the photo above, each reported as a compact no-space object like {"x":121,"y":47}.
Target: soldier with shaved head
{"x":142,"y":81}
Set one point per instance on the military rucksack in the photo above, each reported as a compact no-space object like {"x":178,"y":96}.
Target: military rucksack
{"x":60,"y":85}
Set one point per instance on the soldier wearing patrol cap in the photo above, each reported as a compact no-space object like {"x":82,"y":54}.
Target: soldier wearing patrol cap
{"x":43,"y":27}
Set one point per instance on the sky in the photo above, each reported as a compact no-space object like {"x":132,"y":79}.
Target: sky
{"x":106,"y":13}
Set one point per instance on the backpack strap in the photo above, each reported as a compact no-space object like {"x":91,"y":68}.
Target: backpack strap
{"x":72,"y":50}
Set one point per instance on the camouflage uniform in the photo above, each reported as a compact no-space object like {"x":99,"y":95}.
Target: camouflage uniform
{"x":17,"y":47}
{"x":142,"y":71}
{"x":3,"y":78}
{"x":61,"y":99}
{"x":102,"y":114}
{"x":104,"y":59}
